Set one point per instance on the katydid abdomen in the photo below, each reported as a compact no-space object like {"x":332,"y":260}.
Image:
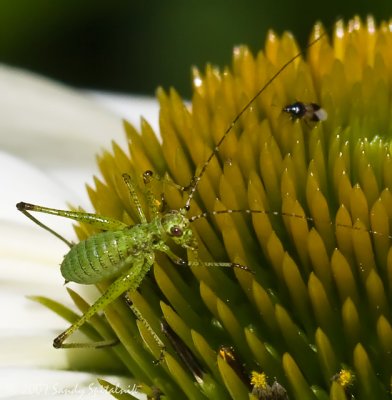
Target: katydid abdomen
{"x":102,"y":256}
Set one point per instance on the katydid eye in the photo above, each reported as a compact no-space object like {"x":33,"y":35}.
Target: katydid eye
{"x":176,"y":231}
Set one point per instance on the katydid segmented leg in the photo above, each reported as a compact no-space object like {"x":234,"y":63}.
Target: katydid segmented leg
{"x":219,"y":264}
{"x":95,"y":220}
{"x":140,"y":317}
{"x":23,"y":207}
{"x":199,"y":263}
{"x":174,"y":257}
{"x":151,"y":200}
{"x":149,"y":175}
{"x":132,"y":191}
{"x":129,"y":281}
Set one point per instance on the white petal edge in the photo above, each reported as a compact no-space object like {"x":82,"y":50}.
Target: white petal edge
{"x":59,"y":129}
{"x":49,"y":137}
{"x":28,"y":383}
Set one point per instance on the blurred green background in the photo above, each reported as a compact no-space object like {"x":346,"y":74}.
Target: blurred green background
{"x":134,"y":46}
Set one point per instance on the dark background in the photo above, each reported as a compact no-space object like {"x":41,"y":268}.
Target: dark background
{"x":134,"y":46}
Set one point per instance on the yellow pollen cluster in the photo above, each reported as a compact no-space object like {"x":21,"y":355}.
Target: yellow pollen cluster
{"x":345,"y":378}
{"x":258,"y":380}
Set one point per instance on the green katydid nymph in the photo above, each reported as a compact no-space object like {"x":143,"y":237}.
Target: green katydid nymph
{"x":126,"y":253}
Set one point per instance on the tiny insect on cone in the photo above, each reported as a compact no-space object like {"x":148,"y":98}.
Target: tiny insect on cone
{"x":310,"y":216}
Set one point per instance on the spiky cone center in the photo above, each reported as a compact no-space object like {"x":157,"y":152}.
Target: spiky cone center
{"x":320,"y":298}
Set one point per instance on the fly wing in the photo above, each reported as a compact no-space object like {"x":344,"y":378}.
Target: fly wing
{"x":321,"y":114}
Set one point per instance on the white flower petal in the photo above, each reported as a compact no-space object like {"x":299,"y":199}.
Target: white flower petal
{"x":29,"y":265}
{"x":49,"y":135}
{"x":48,"y":384}
{"x":56,"y":128}
{"x":130,"y":108}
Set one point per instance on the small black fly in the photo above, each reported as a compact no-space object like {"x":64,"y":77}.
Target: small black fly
{"x":306,"y":111}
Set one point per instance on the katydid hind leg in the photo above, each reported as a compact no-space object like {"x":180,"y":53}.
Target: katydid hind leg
{"x":95,"y":220}
{"x":129,"y":281}
{"x":42,"y":225}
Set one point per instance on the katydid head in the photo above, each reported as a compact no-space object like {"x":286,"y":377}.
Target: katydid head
{"x":177,"y":226}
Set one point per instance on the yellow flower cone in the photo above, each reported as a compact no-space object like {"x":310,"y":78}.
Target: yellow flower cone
{"x":316,"y":315}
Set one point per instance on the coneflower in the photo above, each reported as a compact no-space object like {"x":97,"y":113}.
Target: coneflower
{"x":314,"y":320}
